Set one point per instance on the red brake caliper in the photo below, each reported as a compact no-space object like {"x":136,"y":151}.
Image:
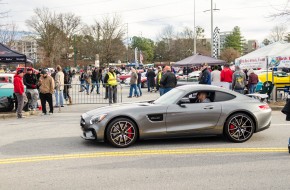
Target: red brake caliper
{"x":232,"y":128}
{"x":129,"y":131}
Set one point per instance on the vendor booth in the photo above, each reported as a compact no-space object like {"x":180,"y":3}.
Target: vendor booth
{"x":276,"y":55}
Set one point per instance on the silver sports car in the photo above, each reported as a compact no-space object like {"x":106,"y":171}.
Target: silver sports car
{"x":188,"y":110}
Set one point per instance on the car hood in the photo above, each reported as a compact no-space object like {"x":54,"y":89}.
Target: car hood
{"x":117,"y":107}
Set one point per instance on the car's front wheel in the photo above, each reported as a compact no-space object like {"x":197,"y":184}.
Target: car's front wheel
{"x":121,"y":132}
{"x":239,"y":127}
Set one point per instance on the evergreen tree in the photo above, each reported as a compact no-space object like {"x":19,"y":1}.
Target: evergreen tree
{"x":235,"y":40}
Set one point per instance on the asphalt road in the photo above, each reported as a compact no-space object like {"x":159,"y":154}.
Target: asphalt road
{"x":46,"y":152}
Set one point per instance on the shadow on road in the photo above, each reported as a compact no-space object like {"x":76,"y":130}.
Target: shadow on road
{"x":70,"y":145}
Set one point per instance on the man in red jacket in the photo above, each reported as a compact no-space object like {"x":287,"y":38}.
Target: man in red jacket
{"x":19,"y":92}
{"x":227,"y":75}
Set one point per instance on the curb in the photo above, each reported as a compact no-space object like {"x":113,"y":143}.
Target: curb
{"x":276,"y":108}
{"x":13,"y":114}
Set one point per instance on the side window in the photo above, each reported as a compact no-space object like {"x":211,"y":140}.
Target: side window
{"x":191,"y":97}
{"x":200,"y":97}
{"x":223,"y":96}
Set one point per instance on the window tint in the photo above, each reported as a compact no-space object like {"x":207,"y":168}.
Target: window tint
{"x":222,"y":96}
{"x":193,"y":96}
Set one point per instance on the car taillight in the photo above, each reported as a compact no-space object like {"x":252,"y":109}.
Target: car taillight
{"x":264,"y":107}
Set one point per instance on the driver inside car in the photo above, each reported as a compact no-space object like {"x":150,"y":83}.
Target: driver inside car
{"x":202,"y":98}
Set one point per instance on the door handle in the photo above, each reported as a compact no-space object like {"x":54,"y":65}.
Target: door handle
{"x":208,"y":107}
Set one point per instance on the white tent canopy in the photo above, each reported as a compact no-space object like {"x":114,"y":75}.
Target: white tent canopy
{"x":278,"y":55}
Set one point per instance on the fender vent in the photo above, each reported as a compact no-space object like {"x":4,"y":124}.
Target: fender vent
{"x":155,"y":117}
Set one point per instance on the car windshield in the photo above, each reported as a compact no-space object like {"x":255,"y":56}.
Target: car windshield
{"x":170,"y":97}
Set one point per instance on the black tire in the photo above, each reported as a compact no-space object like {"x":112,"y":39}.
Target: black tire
{"x":239,"y":128}
{"x":122,"y":132}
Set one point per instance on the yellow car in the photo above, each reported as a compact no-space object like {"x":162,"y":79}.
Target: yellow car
{"x":281,"y":79}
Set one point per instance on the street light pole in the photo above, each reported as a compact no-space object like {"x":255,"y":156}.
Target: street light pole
{"x":211,"y":27}
{"x":127,"y":42}
{"x":194,"y":33}
{"x":75,"y":55}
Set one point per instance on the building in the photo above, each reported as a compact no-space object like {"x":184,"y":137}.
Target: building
{"x":249,"y":46}
{"x":27,"y":45}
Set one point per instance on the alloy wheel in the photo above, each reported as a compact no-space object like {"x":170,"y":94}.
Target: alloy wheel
{"x":122,"y":133}
{"x":240,"y":128}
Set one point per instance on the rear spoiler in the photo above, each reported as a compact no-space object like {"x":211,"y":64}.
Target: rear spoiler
{"x":261,"y":97}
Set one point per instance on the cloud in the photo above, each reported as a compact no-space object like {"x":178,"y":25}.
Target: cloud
{"x":150,"y":17}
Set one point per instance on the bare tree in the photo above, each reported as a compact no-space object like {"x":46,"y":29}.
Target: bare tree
{"x":54,"y":32}
{"x":230,"y":54}
{"x":284,"y":12}
{"x":8,"y":34}
{"x":199,"y":32}
{"x":278,"y":33}
{"x":111,"y":31}
{"x":3,"y":14}
{"x":266,"y":42}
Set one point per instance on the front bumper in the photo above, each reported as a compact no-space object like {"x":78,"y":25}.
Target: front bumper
{"x":88,"y":132}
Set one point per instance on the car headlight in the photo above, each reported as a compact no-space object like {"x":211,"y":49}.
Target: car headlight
{"x":97,"y":118}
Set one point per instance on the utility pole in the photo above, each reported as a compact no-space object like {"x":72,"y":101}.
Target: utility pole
{"x":75,"y":54}
{"x":194,"y":33}
{"x":211,"y":23}
{"x":211,"y":27}
{"x":127,"y":42}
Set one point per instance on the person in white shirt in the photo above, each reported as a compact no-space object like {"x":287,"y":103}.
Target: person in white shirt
{"x":216,"y":75}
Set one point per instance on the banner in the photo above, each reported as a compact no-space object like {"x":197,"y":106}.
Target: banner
{"x":253,"y":63}
{"x":280,"y":61}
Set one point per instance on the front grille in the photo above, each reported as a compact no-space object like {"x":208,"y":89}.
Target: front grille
{"x":83,"y":122}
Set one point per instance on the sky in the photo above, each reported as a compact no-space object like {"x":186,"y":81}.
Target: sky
{"x":147,"y":18}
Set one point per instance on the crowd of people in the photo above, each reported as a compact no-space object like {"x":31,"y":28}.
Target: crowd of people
{"x":239,"y":80}
{"x":42,"y":86}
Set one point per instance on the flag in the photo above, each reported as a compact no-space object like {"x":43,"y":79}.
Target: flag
{"x":141,"y":57}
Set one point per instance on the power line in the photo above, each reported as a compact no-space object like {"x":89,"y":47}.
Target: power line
{"x":69,"y":5}
{"x":141,"y":8}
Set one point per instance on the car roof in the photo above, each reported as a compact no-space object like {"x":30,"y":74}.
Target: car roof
{"x":199,"y":87}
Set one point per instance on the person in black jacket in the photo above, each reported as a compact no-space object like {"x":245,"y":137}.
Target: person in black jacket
{"x":30,"y":81}
{"x":95,"y":80}
{"x":67,"y":86}
{"x":139,"y":82}
{"x":151,"y":79}
{"x":286,"y":110}
{"x":168,"y":80}
{"x":205,"y":75}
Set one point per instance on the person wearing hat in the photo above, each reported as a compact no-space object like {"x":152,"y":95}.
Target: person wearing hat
{"x":30,"y":81}
{"x":46,"y":89}
{"x":19,"y":92}
{"x":111,"y":82}
{"x":205,"y":75}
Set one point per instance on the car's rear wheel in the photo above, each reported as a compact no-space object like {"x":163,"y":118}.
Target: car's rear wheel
{"x":239,"y":127}
{"x":121,"y":132}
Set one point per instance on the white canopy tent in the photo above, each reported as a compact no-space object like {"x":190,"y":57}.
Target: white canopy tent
{"x":278,"y":55}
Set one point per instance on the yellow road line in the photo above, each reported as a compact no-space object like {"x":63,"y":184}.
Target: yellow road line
{"x":141,"y":153}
